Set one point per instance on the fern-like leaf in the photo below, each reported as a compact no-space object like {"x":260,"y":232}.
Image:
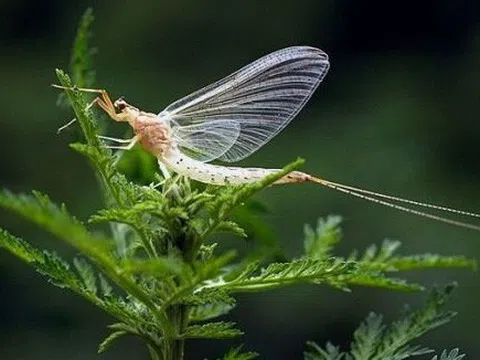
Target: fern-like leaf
{"x":158,"y":267}
{"x":48,"y":264}
{"x":385,"y":258}
{"x":375,"y":341}
{"x":193,"y":279}
{"x":59,"y":273}
{"x":452,"y":355}
{"x":238,"y":354}
{"x":319,"y":242}
{"x":330,"y":352}
{"x":105,"y":344}
{"x":208,"y":304}
{"x":39,"y":209}
{"x":212,"y":330}
{"x":87,"y":274}
{"x":81,"y":60}
{"x":333,"y":272}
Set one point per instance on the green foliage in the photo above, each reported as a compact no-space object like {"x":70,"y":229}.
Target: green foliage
{"x":209,"y":304}
{"x":105,"y":344}
{"x":319,"y":242}
{"x":374,"y":340}
{"x":212,"y":330}
{"x":81,"y":58}
{"x":452,"y":355}
{"x":158,"y":274}
{"x":237,"y":354}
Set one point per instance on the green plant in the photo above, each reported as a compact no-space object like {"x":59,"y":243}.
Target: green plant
{"x":158,"y":272}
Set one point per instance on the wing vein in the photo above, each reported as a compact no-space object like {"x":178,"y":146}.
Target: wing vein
{"x":235,"y":116}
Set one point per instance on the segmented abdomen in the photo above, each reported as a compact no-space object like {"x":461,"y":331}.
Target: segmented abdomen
{"x":215,"y":174}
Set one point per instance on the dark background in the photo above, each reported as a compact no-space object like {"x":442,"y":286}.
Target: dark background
{"x":398,"y":112}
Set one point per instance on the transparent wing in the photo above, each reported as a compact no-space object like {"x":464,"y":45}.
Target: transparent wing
{"x":207,"y":140}
{"x":262,"y":97}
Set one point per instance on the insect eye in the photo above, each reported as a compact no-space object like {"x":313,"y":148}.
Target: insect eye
{"x":120,"y":104}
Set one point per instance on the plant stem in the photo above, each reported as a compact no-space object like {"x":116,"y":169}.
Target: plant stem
{"x":174,"y":349}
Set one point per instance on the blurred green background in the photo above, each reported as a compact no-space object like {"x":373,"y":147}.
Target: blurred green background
{"x":398,"y":113}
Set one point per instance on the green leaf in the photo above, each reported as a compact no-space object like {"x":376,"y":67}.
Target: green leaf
{"x":213,"y":330}
{"x":100,"y":157}
{"x":208,"y":304}
{"x":330,"y":352}
{"x":105,"y":344}
{"x":319,"y":242}
{"x":20,"y":248}
{"x":87,"y":274}
{"x":59,"y":273}
{"x":81,"y":59}
{"x":157,"y":267}
{"x":331,"y":271}
{"x":367,"y":337}
{"x":452,"y":355}
{"x":48,"y":264}
{"x":193,"y":280}
{"x":39,"y":209}
{"x":433,"y":261}
{"x":297,"y":271}
{"x":416,"y":324}
{"x":105,"y":287}
{"x":378,"y":279}
{"x":232,"y":227}
{"x":237,"y":354}
{"x":386,"y":259}
{"x":375,"y":341}
{"x":81,"y":62}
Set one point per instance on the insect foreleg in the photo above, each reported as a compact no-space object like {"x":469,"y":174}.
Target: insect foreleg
{"x":104,"y":100}
{"x":129,"y":146}
{"x":97,"y":100}
{"x":122,"y":141}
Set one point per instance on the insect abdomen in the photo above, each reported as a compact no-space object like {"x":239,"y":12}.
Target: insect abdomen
{"x":213,"y":174}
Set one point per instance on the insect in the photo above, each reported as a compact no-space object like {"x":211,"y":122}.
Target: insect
{"x":235,"y":116}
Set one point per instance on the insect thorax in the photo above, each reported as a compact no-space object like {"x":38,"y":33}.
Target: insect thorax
{"x":154,"y":135}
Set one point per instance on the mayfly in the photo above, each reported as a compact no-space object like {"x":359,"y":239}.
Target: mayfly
{"x":235,"y":116}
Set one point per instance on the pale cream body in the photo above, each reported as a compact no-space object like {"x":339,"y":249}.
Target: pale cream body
{"x":155,"y":135}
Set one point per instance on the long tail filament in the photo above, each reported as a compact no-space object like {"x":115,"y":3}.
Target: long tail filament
{"x":376,"y":197}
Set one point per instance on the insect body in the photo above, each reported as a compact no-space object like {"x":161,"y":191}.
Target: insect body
{"x":235,"y":116}
{"x":155,"y":135}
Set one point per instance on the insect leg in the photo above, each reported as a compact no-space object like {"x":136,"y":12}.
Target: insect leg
{"x":63,"y":127}
{"x":104,"y":100}
{"x":88,"y":107}
{"x":164,"y":170}
{"x":122,"y":141}
{"x":131,"y":144}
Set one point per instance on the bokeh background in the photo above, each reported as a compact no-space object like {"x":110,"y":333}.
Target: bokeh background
{"x":398,"y":112}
